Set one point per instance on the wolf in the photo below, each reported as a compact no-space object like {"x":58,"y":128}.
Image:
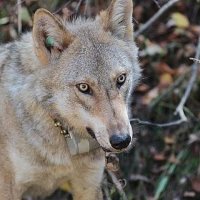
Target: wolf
{"x":64,"y":102}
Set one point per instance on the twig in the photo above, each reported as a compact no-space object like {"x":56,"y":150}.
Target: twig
{"x":19,"y":20}
{"x":155,"y":17}
{"x":180,"y":107}
{"x":117,"y":185}
{"x":78,"y":5}
{"x":106,"y":190}
{"x":157,"y":3}
{"x":87,"y":8}
{"x":194,"y":59}
{"x":63,"y":6}
{"x":161,"y":125}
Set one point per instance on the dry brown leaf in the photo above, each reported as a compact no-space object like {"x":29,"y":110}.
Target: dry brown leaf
{"x":146,"y":99}
{"x":170,"y":140}
{"x":159,"y":157}
{"x":137,"y":12}
{"x":195,"y":29}
{"x":142,"y":88}
{"x":180,"y":20}
{"x":173,"y":159}
{"x":163,"y":67}
{"x":182,"y":69}
{"x":166,"y":79}
{"x":196,"y":184}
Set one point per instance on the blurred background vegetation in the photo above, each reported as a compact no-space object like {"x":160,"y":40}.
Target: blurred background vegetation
{"x":165,"y":163}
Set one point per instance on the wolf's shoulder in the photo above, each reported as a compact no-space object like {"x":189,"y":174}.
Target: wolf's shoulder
{"x":20,"y":51}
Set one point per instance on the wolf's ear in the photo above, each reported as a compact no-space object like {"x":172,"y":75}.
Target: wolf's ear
{"x":49,"y":35}
{"x":118,"y":19}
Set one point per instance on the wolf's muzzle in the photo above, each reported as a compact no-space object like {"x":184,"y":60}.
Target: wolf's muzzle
{"x":120,"y":141}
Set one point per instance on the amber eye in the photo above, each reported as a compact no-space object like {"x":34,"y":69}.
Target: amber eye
{"x":121,"y":80}
{"x":84,"y":88}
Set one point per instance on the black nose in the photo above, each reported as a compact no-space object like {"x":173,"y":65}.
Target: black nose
{"x":120,"y":141}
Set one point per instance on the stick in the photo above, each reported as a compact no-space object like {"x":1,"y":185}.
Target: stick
{"x":161,"y":125}
{"x":117,"y":185}
{"x":157,"y":3}
{"x":19,"y":20}
{"x":87,"y":8}
{"x":155,"y":17}
{"x":78,"y":5}
{"x":63,"y":6}
{"x":191,"y":82}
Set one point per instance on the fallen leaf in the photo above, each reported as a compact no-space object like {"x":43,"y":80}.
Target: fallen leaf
{"x":195,"y":137}
{"x":142,"y":88}
{"x":196,"y":184}
{"x":189,"y":194}
{"x":137,"y":12}
{"x":4,"y":20}
{"x":163,"y":67}
{"x":152,"y":94}
{"x":169,"y":139}
{"x":182,"y":69}
{"x":195,"y":29}
{"x":25,"y":16}
{"x":173,"y":159}
{"x":152,"y":50}
{"x":180,"y":20}
{"x":159,"y":157}
{"x":138,"y":177}
{"x":165,"y":80}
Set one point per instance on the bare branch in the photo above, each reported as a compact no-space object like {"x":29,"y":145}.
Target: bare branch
{"x":194,"y":59}
{"x":155,"y":17}
{"x":19,"y":20}
{"x":117,"y":185}
{"x":161,"y":125}
{"x":78,"y":5}
{"x":191,"y":82}
{"x":157,"y":3}
{"x":180,"y":107}
{"x":87,"y":8}
{"x":63,"y":6}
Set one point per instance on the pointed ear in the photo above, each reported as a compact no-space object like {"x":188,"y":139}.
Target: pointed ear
{"x":118,"y":19}
{"x":50,"y":36}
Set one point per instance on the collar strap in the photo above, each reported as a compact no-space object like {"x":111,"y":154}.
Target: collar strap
{"x":76,"y":144}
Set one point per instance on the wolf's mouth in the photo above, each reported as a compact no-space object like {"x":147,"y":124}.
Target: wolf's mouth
{"x":78,"y":144}
{"x":91,"y":132}
{"x":106,"y":150}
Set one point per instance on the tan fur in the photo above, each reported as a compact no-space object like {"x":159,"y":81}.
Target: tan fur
{"x":39,"y":84}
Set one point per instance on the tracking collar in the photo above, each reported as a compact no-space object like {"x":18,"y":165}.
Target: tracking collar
{"x":75,"y":143}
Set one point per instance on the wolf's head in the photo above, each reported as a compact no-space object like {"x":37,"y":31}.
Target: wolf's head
{"x":89,"y":70}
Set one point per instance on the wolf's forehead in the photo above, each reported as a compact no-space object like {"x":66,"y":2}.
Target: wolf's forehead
{"x":103,"y":58}
{"x":101,"y":48}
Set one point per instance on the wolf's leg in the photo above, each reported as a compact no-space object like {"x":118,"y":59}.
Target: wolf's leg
{"x":86,"y":183}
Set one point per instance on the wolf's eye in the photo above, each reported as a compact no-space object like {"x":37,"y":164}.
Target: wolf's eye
{"x":121,"y":80}
{"x":84,"y":88}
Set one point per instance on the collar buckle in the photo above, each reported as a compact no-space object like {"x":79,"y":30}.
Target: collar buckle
{"x":76,"y":144}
